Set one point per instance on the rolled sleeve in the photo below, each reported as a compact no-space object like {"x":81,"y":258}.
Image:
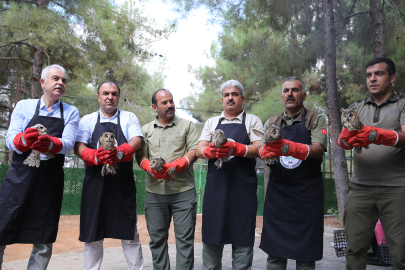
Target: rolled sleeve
{"x":134,"y":128}
{"x":16,"y":126}
{"x":192,"y":137}
{"x":206,"y":132}
{"x":255,"y":123}
{"x":70,"y":130}
{"x":84,"y":130}
{"x":317,"y":133}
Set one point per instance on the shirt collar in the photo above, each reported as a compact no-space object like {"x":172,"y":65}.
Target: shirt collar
{"x":173,"y":121}
{"x":295,"y":116}
{"x":42,"y":105}
{"x":391,"y":98}
{"x":239,"y":117}
{"x":102,"y":116}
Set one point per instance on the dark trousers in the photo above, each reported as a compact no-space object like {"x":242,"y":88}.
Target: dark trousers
{"x":159,"y":210}
{"x":242,"y":257}
{"x":277,"y":263}
{"x":363,"y":206}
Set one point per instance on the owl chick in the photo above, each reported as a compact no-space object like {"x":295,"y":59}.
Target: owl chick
{"x":350,"y":120}
{"x":218,"y":139}
{"x":272,"y":134}
{"x":34,"y":159}
{"x":156,"y":164}
{"x":107,"y":141}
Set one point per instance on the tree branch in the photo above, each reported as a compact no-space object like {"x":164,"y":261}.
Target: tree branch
{"x":66,"y":65}
{"x":56,"y":3}
{"x":15,"y":58}
{"x":397,"y":8}
{"x":17,"y":42}
{"x":358,"y":13}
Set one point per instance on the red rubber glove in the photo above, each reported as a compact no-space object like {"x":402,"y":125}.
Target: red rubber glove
{"x":369,"y":134}
{"x":210,"y":151}
{"x":284,"y":147}
{"x":145,"y":165}
{"x":176,"y":166}
{"x":233,"y":149}
{"x":265,"y":152}
{"x":122,"y":153}
{"x":47,"y":143}
{"x":344,"y":138}
{"x":93,"y":157}
{"x":23,"y":140}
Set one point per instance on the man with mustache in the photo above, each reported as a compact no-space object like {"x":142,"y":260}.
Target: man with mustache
{"x":377,"y":186}
{"x":293,"y":208}
{"x":174,"y":139}
{"x":31,"y":197}
{"x":230,"y":198}
{"x":108,"y":204}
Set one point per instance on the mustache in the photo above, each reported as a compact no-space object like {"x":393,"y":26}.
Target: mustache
{"x":169,"y":109}
{"x":290,"y":98}
{"x":230,"y":101}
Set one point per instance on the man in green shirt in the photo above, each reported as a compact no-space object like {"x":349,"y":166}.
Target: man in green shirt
{"x":175,"y":140}
{"x":377,"y":186}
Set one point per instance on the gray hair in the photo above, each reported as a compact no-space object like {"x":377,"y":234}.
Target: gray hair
{"x":294,"y":78}
{"x":232,"y":83}
{"x":44,"y":74}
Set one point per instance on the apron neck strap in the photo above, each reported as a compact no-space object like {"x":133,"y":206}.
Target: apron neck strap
{"x":118,"y":120}
{"x":60,"y":108}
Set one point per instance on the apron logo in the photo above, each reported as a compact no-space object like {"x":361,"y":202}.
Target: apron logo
{"x":285,"y":149}
{"x":290,"y":162}
{"x":372,"y":136}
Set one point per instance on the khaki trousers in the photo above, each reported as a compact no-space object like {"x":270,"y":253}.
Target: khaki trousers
{"x":242,"y":257}
{"x":363,"y":206}
{"x":159,"y":210}
{"x":277,"y":263}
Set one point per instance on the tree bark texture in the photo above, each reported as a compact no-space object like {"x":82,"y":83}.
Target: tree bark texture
{"x":377,"y":24}
{"x":36,"y":88}
{"x":339,"y":159}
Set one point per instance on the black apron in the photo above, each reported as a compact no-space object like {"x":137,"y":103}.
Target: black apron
{"x":293,"y":208}
{"x":31,"y":197}
{"x":230,"y":198}
{"x":108,"y":206}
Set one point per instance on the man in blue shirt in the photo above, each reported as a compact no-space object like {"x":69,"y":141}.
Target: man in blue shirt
{"x":31,"y":197}
{"x":108,"y":206}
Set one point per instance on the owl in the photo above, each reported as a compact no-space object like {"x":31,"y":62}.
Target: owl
{"x":107,"y":141}
{"x":218,"y":139}
{"x":272,"y":134}
{"x":34,"y":159}
{"x":350,"y":120}
{"x":156,"y":163}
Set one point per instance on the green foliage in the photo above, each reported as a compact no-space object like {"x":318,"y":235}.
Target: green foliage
{"x":95,"y":40}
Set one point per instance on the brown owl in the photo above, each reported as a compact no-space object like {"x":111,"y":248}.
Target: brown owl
{"x":34,"y":159}
{"x":272,"y":134}
{"x":107,"y":141}
{"x":156,"y":163}
{"x":218,"y":139}
{"x":350,"y":120}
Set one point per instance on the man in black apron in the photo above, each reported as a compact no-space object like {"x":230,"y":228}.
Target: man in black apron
{"x":31,"y":197}
{"x":230,"y":198}
{"x":108,"y":205}
{"x":293,"y":209}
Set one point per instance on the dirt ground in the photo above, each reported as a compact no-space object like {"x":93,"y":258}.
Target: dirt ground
{"x":67,"y":240}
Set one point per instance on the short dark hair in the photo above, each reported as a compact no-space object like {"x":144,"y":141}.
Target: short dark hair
{"x":110,"y":82}
{"x":154,"y":102}
{"x":390,"y":64}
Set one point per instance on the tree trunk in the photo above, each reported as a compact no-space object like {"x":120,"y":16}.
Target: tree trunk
{"x":377,"y":24}
{"x":339,"y":159}
{"x":36,"y":88}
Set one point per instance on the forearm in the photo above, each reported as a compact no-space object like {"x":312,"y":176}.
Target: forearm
{"x":139,"y":159}
{"x":78,"y":148}
{"x":253,"y":150}
{"x":200,"y":147}
{"x":191,"y":156}
{"x":316,"y":151}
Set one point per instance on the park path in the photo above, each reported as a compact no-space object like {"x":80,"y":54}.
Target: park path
{"x":114,"y":258}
